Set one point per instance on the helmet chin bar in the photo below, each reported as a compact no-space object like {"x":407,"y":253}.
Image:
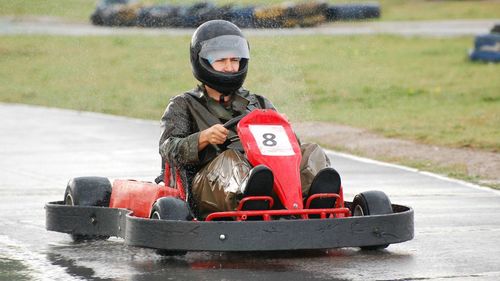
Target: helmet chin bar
{"x":222,"y":82}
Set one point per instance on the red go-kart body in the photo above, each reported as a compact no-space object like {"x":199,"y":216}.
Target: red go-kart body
{"x":268,"y":139}
{"x":370,"y":221}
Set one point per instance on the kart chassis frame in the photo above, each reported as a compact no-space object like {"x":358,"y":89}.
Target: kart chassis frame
{"x":264,"y":235}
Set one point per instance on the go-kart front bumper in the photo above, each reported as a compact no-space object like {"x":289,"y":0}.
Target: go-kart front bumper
{"x":273,"y":235}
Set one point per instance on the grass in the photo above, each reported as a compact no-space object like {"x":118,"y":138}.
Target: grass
{"x":80,"y":10}
{"x":435,"y":9}
{"x":373,"y":82}
{"x":421,"y":89}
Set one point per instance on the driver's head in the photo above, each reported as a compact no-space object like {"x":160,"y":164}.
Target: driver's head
{"x":219,"y":56}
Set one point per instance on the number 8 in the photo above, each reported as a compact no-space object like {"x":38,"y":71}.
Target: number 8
{"x":269,"y":139}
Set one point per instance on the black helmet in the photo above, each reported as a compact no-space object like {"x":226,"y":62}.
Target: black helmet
{"x":214,"y":40}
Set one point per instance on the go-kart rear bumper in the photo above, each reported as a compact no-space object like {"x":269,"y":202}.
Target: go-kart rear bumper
{"x":231,"y":235}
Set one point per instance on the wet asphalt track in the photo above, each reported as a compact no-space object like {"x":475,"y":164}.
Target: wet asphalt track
{"x":457,"y":225}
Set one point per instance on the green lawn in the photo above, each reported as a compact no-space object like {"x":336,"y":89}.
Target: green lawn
{"x":415,"y":88}
{"x":80,"y":10}
{"x":77,"y":10}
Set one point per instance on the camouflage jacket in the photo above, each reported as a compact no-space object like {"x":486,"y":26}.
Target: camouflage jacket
{"x":190,"y":113}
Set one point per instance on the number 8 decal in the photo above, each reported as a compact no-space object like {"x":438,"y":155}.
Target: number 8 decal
{"x":272,"y":140}
{"x":269,"y":139}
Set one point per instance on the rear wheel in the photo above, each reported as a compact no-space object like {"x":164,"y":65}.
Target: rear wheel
{"x":370,"y":203}
{"x":88,"y":191}
{"x":170,"y":208}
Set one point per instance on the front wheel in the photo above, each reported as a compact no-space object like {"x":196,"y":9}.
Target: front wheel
{"x":370,"y":203}
{"x":170,"y":208}
{"x":88,"y":191}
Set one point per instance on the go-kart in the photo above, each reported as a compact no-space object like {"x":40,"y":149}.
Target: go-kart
{"x":152,"y":215}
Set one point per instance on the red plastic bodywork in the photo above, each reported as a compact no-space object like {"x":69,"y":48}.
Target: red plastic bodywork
{"x":285,"y":167}
{"x":139,"y":196}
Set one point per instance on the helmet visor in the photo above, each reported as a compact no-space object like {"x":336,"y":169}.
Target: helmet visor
{"x":225,"y":46}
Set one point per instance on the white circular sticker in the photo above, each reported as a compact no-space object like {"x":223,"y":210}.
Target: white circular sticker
{"x":272,"y":140}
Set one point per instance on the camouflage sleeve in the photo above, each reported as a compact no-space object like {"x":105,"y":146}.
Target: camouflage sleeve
{"x":179,"y":140}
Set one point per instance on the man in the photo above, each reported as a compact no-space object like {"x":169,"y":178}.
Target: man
{"x":193,"y":138}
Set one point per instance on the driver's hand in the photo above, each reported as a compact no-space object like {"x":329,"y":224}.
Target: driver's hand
{"x":216,"y":134}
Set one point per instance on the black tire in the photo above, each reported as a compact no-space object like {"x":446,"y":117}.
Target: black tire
{"x":88,"y":191}
{"x":371,"y":203}
{"x":170,"y":208}
{"x":352,"y":12}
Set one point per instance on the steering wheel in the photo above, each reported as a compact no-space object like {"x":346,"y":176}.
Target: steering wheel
{"x":233,"y":140}
{"x":232,"y":122}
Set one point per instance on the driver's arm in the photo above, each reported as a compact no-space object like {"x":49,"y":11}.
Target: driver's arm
{"x":179,"y":139}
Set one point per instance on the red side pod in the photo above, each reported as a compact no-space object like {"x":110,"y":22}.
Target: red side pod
{"x":268,"y":139}
{"x":138,"y":196}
